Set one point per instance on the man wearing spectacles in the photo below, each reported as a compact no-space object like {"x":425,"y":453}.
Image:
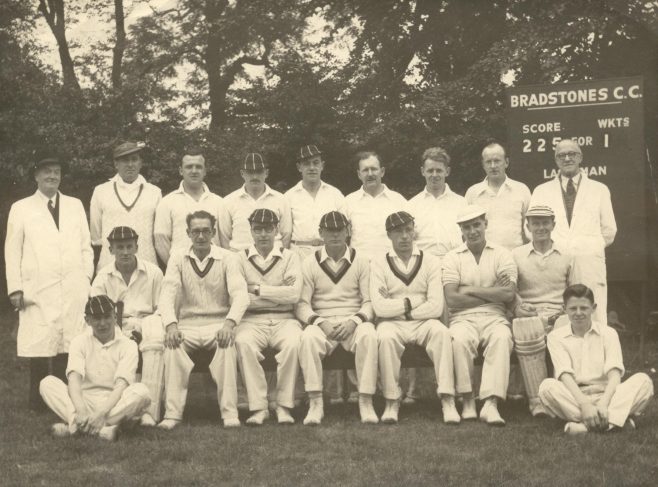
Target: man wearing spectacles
{"x":584,"y":221}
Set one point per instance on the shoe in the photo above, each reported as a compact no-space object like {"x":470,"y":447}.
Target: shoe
{"x":572,"y":428}
{"x":366,"y":411}
{"x":538,"y":410}
{"x":109,"y":433}
{"x":315,"y":412}
{"x":231,"y":423}
{"x":147,"y":420}
{"x":391,"y":410}
{"x":283,"y":416}
{"x":258,"y":418}
{"x":490,"y":415}
{"x":60,"y":430}
{"x":450,"y":414}
{"x":353,"y":398}
{"x":469,"y":411}
{"x":629,"y":425}
{"x":168,"y":424}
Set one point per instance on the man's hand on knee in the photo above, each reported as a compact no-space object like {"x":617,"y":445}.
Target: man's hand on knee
{"x":173,"y":336}
{"x":226,"y":334}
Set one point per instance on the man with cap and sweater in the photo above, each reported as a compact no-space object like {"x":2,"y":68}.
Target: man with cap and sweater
{"x":545,"y":271}
{"x":367,"y":207}
{"x":134,"y":285}
{"x":504,"y":199}
{"x":234,"y":230}
{"x":170,"y":229}
{"x":479,"y":281}
{"x":203,"y":298}
{"x":584,"y":220}
{"x":101,"y":392}
{"x":335,"y":305}
{"x":125,"y":200}
{"x":406,"y":293}
{"x":309,"y":199}
{"x":274,"y":284}
{"x":49,"y":265}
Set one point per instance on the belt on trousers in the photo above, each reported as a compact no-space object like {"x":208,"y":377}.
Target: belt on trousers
{"x":316,"y":242}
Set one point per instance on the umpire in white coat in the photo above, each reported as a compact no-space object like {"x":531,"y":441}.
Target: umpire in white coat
{"x":49,"y":263}
{"x":584,"y":221}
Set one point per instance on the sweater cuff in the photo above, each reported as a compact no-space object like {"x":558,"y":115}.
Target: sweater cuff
{"x":314,"y":320}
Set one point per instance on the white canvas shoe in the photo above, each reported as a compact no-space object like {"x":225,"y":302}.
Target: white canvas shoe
{"x":283,"y":415}
{"x":168,"y":424}
{"x":258,"y":418}
{"x":367,"y":412}
{"x":391,"y":410}
{"x":315,"y":412}
{"x":469,"y":411}
{"x":109,"y":433}
{"x":490,"y":415}
{"x":450,"y":414}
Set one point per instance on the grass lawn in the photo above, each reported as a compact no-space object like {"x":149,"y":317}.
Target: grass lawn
{"x":420,"y":450}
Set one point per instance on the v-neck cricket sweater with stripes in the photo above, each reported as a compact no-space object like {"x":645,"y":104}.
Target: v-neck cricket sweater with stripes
{"x":421,"y":285}
{"x":276,"y":300}
{"x":204,"y":292}
{"x":327,"y":292}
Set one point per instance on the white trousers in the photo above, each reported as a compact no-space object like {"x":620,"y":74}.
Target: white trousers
{"x":492,"y":331}
{"x":315,"y":346}
{"x":178,"y":366}
{"x":432,"y":335}
{"x":251,"y":338}
{"x":630,"y":397}
{"x":133,"y":402}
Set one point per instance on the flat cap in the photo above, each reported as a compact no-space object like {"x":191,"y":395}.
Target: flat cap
{"x":99,"y":305}
{"x":254,"y":162}
{"x":540,"y":210}
{"x":470,"y":212}
{"x":334,"y":220}
{"x":127,"y":148}
{"x":398,"y":219}
{"x":122,"y":233}
{"x":308,"y":151}
{"x":263,"y":215}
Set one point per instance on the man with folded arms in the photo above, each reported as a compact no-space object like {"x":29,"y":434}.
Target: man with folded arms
{"x":203,"y":299}
{"x":406,"y":293}
{"x":544,"y":272}
{"x":587,"y":390}
{"x":274,"y":284}
{"x":134,"y":285}
{"x":101,"y":392}
{"x":479,"y":280}
{"x":335,"y":305}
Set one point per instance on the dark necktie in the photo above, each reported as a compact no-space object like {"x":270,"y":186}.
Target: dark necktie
{"x":53,"y":211}
{"x":570,"y":199}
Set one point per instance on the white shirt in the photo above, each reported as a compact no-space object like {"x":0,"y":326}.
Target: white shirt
{"x":308,"y":210}
{"x":399,"y":263}
{"x":436,"y":218}
{"x":565,"y":180}
{"x":259,"y":259}
{"x":45,"y":198}
{"x":505,"y":210}
{"x":239,"y":205}
{"x":367,"y":214}
{"x":170,"y":227}
{"x":334,"y":265}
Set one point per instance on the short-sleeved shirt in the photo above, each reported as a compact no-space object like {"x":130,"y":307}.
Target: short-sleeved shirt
{"x":172,"y":211}
{"x":542,"y":277}
{"x":588,"y":358}
{"x":307,"y":210}
{"x":436,"y":220}
{"x":460,"y":267}
{"x":367,"y":214}
{"x":140,"y":296}
{"x":505,"y":210}
{"x":100,"y":365}
{"x":234,"y":224}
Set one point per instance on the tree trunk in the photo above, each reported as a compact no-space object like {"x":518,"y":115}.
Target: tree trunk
{"x":119,"y":46}
{"x":54,"y":15}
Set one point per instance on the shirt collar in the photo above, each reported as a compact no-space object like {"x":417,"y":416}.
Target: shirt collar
{"x":118,"y":336}
{"x":45,"y":198}
{"x":215,"y":253}
{"x":347,"y":256}
{"x":446,"y":192}
{"x":300,"y":187}
{"x":464,"y":248}
{"x":268,"y":191}
{"x":566,"y":331}
{"x":122,"y":184}
{"x":414,"y":252}
{"x":385,"y":192}
{"x":114,"y":271}
{"x":554,"y":248}
{"x":181,"y":190}
{"x":276,"y":252}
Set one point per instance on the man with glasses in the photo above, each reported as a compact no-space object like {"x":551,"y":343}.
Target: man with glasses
{"x":584,"y":221}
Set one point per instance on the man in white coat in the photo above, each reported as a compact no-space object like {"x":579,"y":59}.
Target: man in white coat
{"x":49,"y":266}
{"x":584,"y":221}
{"x":125,"y":200}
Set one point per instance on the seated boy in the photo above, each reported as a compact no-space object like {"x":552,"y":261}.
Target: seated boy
{"x":587,"y":390}
{"x":101,"y":371}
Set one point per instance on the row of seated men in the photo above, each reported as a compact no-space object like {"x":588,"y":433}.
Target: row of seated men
{"x":238,"y":304}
